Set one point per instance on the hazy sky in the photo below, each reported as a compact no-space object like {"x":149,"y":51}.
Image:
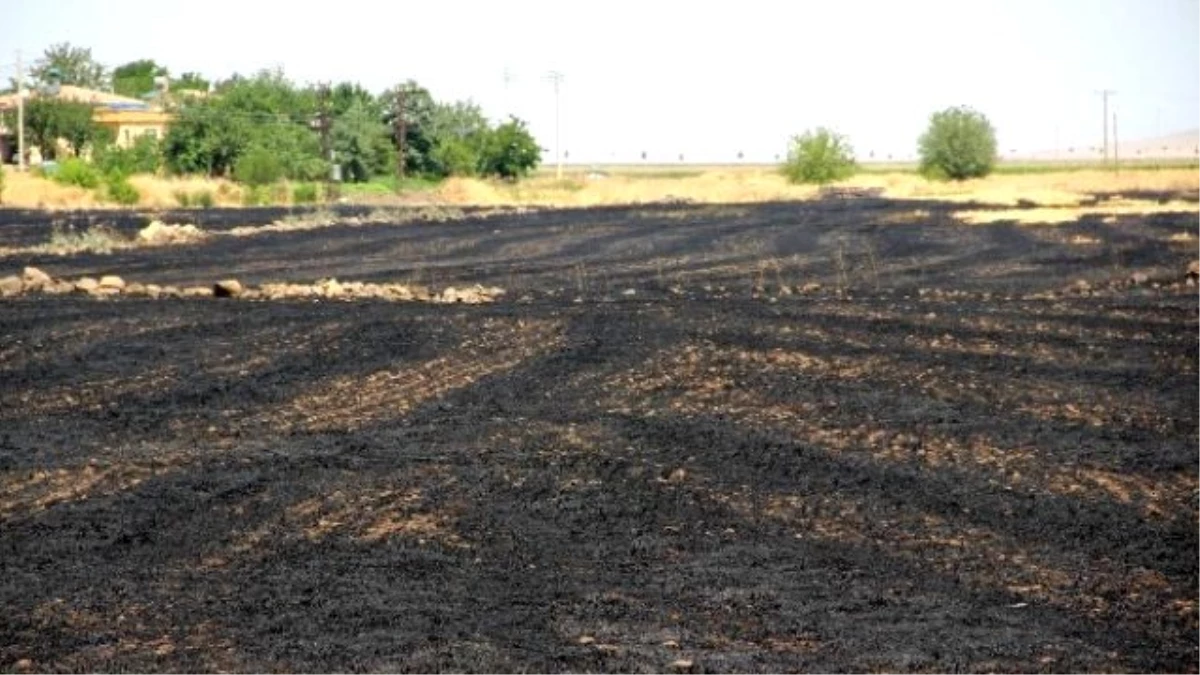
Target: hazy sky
{"x":704,"y":79}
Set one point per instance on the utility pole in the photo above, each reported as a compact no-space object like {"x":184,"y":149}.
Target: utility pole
{"x":556,"y":78}
{"x":323,"y":124}
{"x":1105,"y":93}
{"x":1116,"y":148}
{"x":399,"y":130}
{"x":20,"y":114}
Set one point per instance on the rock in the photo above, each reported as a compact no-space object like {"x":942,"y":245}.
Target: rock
{"x":1082,"y":285}
{"x":58,"y":287}
{"x":86,"y":285}
{"x":23,"y":664}
{"x":629,"y":292}
{"x":35,"y":279}
{"x":227,"y":288}
{"x":330,"y":288}
{"x":670,"y":644}
{"x":1139,"y":277}
{"x":586,"y":640}
{"x":785,"y":290}
{"x":1193,"y":269}
{"x":810,"y":287}
{"x":135,"y":288}
{"x":677,"y":475}
{"x":682,"y":665}
{"x":112,"y":281}
{"x":11,"y":285}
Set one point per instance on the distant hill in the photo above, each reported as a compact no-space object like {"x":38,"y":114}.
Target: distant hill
{"x":1180,"y":145}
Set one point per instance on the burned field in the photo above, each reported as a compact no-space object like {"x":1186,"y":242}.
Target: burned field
{"x":826,"y":436}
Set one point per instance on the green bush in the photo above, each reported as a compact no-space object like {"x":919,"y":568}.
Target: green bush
{"x":304,"y":193}
{"x":960,"y":143}
{"x":256,"y":195}
{"x":77,"y":172}
{"x":204,"y":199}
{"x":257,"y":167}
{"x":182,"y":198}
{"x":145,"y":156}
{"x":121,"y":192}
{"x":509,"y":151}
{"x":819,"y":156}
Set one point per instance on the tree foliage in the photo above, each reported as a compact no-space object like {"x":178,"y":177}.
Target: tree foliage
{"x":960,"y":143}
{"x":265,"y":110}
{"x":69,"y":65}
{"x":510,"y":151}
{"x":819,"y":156}
{"x":136,"y":78}
{"x":190,"y":81}
{"x":362,"y":143}
{"x":47,"y":120}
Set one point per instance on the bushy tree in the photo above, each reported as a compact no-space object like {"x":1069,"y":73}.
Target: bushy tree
{"x":362,"y":143}
{"x":819,"y":156}
{"x":190,"y":82}
{"x":960,"y":143}
{"x":266,"y":111}
{"x":509,"y":151}
{"x":258,"y":166}
{"x":459,"y":132}
{"x":47,"y":120}
{"x":144,"y":156}
{"x":67,"y":64}
{"x":418,"y":120}
{"x":136,"y":78}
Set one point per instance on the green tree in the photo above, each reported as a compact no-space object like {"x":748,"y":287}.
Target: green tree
{"x":47,"y":120}
{"x":960,"y":143}
{"x":459,"y":132}
{"x":509,"y":151}
{"x":69,"y":65}
{"x":819,"y":156}
{"x":136,"y":78}
{"x":190,"y":82}
{"x":258,"y":166}
{"x":266,"y":111}
{"x":345,"y":95}
{"x":418,"y":119}
{"x":362,"y":143}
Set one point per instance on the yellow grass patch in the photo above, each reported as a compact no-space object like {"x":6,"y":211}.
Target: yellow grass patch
{"x":1043,"y":216}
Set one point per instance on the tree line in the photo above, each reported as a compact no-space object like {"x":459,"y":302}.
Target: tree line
{"x":263,"y":127}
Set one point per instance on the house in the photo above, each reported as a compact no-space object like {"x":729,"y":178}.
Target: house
{"x":128,"y":118}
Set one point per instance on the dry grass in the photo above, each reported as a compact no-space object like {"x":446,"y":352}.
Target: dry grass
{"x":699,"y":185}
{"x":1070,"y":214}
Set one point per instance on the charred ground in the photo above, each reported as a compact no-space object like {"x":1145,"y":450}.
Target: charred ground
{"x":941,"y":459}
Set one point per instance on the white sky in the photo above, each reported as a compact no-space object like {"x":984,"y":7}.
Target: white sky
{"x":703,"y":79}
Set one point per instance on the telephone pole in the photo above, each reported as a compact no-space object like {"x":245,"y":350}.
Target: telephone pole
{"x":1116,"y":148}
{"x":399,"y":130}
{"x":1105,"y":93}
{"x":556,"y":78}
{"x":323,"y":125}
{"x":20,"y":114}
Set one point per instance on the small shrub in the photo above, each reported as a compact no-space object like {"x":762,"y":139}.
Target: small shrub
{"x":77,"y":172}
{"x":204,"y":199}
{"x":960,"y":143}
{"x":304,"y":193}
{"x":257,"y":167}
{"x":182,"y":198}
{"x":121,"y":192}
{"x":144,"y":156}
{"x":279,"y":194}
{"x":255,"y":195}
{"x":96,"y":239}
{"x":819,"y":156}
